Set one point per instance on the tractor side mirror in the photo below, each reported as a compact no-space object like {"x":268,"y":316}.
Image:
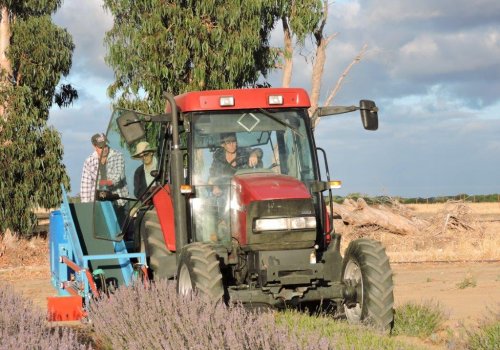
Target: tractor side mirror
{"x":131,"y":126}
{"x":369,"y":114}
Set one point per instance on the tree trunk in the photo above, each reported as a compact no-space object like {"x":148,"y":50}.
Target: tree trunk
{"x":319,"y":61}
{"x":346,"y":71}
{"x":361,"y":214}
{"x":5,"y":65}
{"x":287,"y":55}
{"x":4,"y":44}
{"x":317,"y":75}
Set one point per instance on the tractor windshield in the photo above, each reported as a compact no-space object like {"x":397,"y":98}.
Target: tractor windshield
{"x":230,"y":143}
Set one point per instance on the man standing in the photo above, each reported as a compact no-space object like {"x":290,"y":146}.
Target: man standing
{"x":108,"y":166}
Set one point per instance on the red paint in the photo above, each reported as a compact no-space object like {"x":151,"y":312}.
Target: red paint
{"x":162,"y":201}
{"x":266,"y":186}
{"x":249,"y":188}
{"x":77,"y":268}
{"x":65,"y":308}
{"x":243,"y":99}
{"x":327,"y":227}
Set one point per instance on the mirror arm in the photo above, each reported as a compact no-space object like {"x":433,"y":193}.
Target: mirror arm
{"x":333,"y":110}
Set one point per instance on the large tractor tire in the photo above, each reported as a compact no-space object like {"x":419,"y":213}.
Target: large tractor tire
{"x":199,"y":270}
{"x":366,"y":267}
{"x":160,"y":259}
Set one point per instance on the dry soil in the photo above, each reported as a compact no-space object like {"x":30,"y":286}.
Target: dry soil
{"x":466,"y":284}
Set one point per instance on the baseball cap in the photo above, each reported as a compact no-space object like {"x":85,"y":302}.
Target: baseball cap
{"x":99,"y":140}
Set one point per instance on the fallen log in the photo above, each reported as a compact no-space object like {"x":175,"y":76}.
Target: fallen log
{"x":360,"y":214}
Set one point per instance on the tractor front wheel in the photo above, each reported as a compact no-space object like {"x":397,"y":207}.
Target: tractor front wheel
{"x":366,"y":267}
{"x":199,"y":270}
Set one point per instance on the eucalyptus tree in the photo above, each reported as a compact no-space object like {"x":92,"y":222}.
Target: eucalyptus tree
{"x":177,"y":46}
{"x":181,"y":45}
{"x":34,"y":54}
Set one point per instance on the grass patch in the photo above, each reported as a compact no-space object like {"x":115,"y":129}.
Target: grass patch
{"x":487,"y":334}
{"x":341,"y":333}
{"x":418,"y":320}
{"x":487,"y":337}
{"x":468,"y":281}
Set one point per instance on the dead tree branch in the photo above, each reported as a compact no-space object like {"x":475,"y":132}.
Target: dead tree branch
{"x":346,"y":71}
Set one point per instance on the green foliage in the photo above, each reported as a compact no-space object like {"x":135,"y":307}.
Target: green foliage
{"x":486,"y":337}
{"x":418,"y":320}
{"x":302,"y":16}
{"x":31,"y":152}
{"x":29,"y":8}
{"x":468,"y":281}
{"x":346,"y":336}
{"x":177,"y":46}
{"x":40,"y":63}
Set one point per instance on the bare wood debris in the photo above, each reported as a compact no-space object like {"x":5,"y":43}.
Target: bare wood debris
{"x":455,"y":216}
{"x":398,"y":219}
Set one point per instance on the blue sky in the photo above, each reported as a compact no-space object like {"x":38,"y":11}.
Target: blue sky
{"x":433,"y":68}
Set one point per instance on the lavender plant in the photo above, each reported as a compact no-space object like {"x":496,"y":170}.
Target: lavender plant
{"x":24,"y":326}
{"x":155,"y":317}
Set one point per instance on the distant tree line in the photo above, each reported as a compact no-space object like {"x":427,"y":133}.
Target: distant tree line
{"x":476,"y":198}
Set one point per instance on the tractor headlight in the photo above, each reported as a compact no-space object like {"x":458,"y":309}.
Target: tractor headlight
{"x":285,"y":224}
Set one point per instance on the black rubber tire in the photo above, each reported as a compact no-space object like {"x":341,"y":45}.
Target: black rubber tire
{"x":366,"y":266}
{"x":199,"y":270}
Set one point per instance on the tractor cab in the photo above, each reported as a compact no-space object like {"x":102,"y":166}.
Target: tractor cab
{"x":241,"y":164}
{"x":219,"y":179}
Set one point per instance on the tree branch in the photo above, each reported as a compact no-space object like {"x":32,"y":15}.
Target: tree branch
{"x":346,"y":71}
{"x":287,"y":54}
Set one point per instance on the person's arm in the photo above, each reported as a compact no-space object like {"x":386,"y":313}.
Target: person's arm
{"x":116,"y":170}
{"x":254,"y":157}
{"x":87,"y":184}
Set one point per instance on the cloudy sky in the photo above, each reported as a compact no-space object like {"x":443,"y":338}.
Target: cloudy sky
{"x":433,"y":68}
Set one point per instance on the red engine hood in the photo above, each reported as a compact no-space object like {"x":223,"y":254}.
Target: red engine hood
{"x":266,"y":186}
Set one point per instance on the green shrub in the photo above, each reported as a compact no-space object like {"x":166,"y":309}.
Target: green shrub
{"x":418,"y":320}
{"x":487,"y":337}
{"x":341,"y":333}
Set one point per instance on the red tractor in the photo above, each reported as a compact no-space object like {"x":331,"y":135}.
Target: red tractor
{"x":234,"y":205}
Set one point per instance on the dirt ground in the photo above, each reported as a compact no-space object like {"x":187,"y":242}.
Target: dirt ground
{"x":463,"y":278}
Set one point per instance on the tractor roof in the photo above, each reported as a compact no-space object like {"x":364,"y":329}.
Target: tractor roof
{"x":212,"y":100}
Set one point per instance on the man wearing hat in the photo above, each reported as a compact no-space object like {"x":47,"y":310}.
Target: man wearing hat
{"x":108,"y":166}
{"x":229,"y":158}
{"x":142,"y":175}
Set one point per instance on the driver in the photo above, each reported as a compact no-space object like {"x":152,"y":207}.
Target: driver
{"x":229,"y":158}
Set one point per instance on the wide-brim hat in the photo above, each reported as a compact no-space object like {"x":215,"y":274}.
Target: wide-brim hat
{"x":141,"y":148}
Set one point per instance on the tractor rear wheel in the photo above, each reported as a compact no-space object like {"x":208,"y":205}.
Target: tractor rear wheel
{"x":366,"y":267}
{"x":199,"y":270}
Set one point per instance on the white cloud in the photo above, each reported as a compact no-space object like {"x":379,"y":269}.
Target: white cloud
{"x":421,"y":47}
{"x":87,"y":22}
